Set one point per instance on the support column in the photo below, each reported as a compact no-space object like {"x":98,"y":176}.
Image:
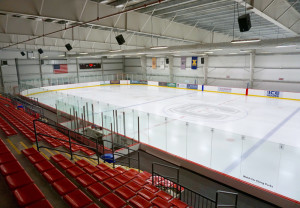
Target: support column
{"x":171,"y":66}
{"x":1,"y":80}
{"x":18,"y":73}
{"x":102,"y":67}
{"x":252,"y":66}
{"x":77,"y":70}
{"x":205,"y":69}
{"x":41,"y":73}
{"x":144,"y":67}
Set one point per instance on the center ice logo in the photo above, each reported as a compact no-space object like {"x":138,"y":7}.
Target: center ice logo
{"x":273,"y":93}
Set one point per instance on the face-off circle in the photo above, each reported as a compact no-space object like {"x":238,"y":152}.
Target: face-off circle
{"x":205,"y":112}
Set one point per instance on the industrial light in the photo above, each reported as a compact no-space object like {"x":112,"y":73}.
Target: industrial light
{"x":246,"y":41}
{"x":217,"y":49}
{"x":208,"y":52}
{"x":232,"y":53}
{"x":285,"y":46}
{"x":120,"y":6}
{"x":83,"y":53}
{"x":158,"y":47}
{"x":45,"y":56}
{"x":140,"y":53}
{"x":113,"y":51}
{"x":61,"y":55}
{"x":104,"y":2}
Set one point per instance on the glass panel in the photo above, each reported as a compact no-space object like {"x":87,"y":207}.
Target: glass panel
{"x":176,"y":137}
{"x":157,"y":131}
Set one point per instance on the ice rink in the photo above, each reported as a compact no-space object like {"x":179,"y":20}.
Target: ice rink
{"x":251,"y":138}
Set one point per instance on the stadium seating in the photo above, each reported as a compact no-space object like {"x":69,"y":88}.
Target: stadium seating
{"x":26,"y":193}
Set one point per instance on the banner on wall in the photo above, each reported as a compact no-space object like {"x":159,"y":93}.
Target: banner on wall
{"x":183,"y":63}
{"x":60,"y":68}
{"x":162,"y":63}
{"x":194,"y":62}
{"x":153,"y":63}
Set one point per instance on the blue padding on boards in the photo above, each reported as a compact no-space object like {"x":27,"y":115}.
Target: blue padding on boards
{"x":108,"y":158}
{"x":202,"y":87}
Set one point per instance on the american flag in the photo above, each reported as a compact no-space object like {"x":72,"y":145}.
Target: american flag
{"x":60,"y":68}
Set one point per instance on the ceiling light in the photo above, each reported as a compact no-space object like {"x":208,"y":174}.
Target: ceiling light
{"x":45,"y":56}
{"x":61,"y":55}
{"x":158,"y":47}
{"x":217,"y":49}
{"x":245,"y":41}
{"x":140,"y":53}
{"x":113,"y":51}
{"x":33,"y":57}
{"x":83,"y":53}
{"x":104,"y":2}
{"x":285,"y":46}
{"x":208,"y":52}
{"x":120,"y":6}
{"x":244,"y":51}
{"x":201,"y":54}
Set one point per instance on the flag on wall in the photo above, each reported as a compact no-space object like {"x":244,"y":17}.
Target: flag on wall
{"x":183,"y":62}
{"x":153,"y":63}
{"x":60,"y":68}
{"x":194,"y":62}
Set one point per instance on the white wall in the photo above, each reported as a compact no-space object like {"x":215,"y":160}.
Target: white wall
{"x":230,"y":71}
{"x":29,"y":70}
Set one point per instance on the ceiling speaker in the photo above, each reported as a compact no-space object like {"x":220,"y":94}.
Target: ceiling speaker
{"x":244,"y":22}
{"x":40,"y":51}
{"x":120,"y":39}
{"x":3,"y":62}
{"x":22,"y":53}
{"x":68,"y":47}
{"x":167,"y":61}
{"x":202,"y":60}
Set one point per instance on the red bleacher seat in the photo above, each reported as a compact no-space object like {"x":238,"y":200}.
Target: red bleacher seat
{"x":75,"y":171}
{"x":18,"y":180}
{"x":148,"y":195}
{"x":164,"y":195}
{"x":10,"y":167}
{"x":93,"y":206}
{"x":53,"y":175}
{"x":43,"y":166}
{"x":82,"y":163}
{"x":162,"y":203}
{"x":129,"y":175}
{"x":122,"y":179}
{"x":77,"y":199}
{"x":85,"y":180}
{"x":29,"y":151}
{"x":57,"y":158}
{"x":64,"y":186}
{"x":40,"y":204}
{"x":144,"y":175}
{"x":6,"y":157}
{"x":100,"y":176}
{"x":140,"y":181}
{"x":151,"y":188}
{"x":133,"y":186}
{"x":133,"y":171}
{"x":4,"y":149}
{"x":35,"y":158}
{"x":120,"y":169}
{"x":98,"y":190}
{"x":112,"y":172}
{"x":178,"y":203}
{"x":139,"y":202}
{"x":113,"y":201}
{"x":90,"y":169}
{"x":125,"y":192}
{"x":28,"y":194}
{"x":102,"y":167}
{"x":65,"y":164}
{"x":112,"y":183}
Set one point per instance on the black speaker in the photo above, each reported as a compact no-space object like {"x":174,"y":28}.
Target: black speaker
{"x":4,"y":62}
{"x":40,"y":51}
{"x":167,"y":61}
{"x":120,"y":39}
{"x":244,"y":22}
{"x":68,"y":47}
{"x":22,"y":53}
{"x":202,"y":60}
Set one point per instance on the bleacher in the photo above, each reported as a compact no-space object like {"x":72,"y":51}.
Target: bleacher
{"x":78,"y":183}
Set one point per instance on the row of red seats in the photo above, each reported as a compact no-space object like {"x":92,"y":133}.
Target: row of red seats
{"x":63,"y":186}
{"x":7,"y":128}
{"x":28,"y":133}
{"x":22,"y":120}
{"x":19,"y":182}
{"x":117,"y":187}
